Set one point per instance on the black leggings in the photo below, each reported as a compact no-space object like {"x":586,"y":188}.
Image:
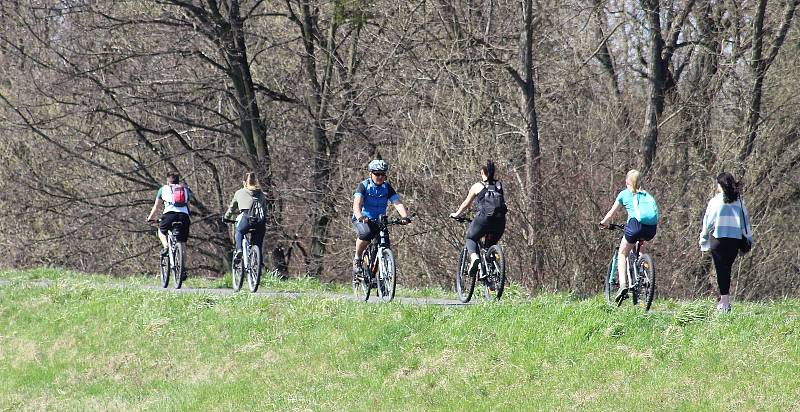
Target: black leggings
{"x":481,"y":226}
{"x":724,"y":256}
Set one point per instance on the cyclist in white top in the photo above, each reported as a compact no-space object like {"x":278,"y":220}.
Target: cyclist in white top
{"x":175,"y":197}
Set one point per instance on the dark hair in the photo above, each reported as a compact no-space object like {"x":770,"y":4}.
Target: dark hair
{"x":730,"y":187}
{"x":488,"y":170}
{"x":173,"y":178}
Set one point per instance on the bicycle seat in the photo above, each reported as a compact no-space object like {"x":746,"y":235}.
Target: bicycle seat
{"x":176,"y":225}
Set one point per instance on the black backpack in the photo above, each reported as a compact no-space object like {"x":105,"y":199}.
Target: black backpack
{"x":257,"y":213}
{"x":491,"y":202}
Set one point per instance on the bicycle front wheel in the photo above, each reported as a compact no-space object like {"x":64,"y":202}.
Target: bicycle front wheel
{"x":254,"y":268}
{"x":647,"y":281}
{"x":494,"y":282}
{"x":164,"y":267}
{"x":387,"y":279}
{"x":611,"y":283}
{"x":465,"y":283}
{"x":177,"y":269}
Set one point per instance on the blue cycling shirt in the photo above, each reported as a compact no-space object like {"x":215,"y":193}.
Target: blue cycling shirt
{"x":376,"y":197}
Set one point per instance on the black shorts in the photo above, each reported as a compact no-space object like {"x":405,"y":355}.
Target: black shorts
{"x":182,"y":234}
{"x":635,"y":231}
{"x":366,"y":231}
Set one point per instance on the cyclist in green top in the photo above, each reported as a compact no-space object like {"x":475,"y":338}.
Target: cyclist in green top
{"x":243,"y":200}
{"x":641,"y":224}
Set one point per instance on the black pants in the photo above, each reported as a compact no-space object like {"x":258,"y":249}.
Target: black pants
{"x":481,"y":226}
{"x":724,"y":256}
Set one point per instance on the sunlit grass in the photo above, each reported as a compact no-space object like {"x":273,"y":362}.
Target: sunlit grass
{"x":75,"y":343}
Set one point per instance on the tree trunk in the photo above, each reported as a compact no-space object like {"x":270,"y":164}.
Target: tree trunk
{"x":657,"y":74}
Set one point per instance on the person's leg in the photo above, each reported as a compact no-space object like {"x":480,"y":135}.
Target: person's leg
{"x":241,"y":229}
{"x":622,"y":262}
{"x":475,"y":231}
{"x":622,"y":273}
{"x":723,"y":257}
{"x":163,"y":238}
{"x":257,"y":237}
{"x":365,"y":234}
{"x":163,"y":226}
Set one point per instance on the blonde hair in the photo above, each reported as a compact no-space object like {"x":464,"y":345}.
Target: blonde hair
{"x":251,"y":181}
{"x":633,"y":176}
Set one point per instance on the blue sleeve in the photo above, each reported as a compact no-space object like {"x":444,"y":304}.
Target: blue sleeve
{"x":361,"y":189}
{"x":158,"y":194}
{"x":393,"y":196}
{"x":621,"y":197}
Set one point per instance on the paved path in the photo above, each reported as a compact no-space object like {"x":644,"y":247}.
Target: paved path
{"x":267,"y":293}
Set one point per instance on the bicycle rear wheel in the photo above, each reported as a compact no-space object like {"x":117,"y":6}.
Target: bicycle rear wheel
{"x":495,"y":264}
{"x":465,"y":284}
{"x":387,"y":279}
{"x":254,"y":268}
{"x":647,"y":281}
{"x":611,"y":283}
{"x":177,"y":270}
{"x":164,"y":268}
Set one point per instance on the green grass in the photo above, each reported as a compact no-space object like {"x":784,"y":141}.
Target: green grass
{"x":80,"y":342}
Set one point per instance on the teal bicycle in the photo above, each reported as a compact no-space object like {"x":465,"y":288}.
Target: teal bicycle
{"x":641,"y":273}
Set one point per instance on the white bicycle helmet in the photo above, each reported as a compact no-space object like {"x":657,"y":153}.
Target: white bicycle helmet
{"x":378,"y":165}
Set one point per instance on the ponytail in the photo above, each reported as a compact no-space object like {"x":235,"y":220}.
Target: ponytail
{"x":488,"y":170}
{"x":251,"y":181}
{"x":634,"y":177}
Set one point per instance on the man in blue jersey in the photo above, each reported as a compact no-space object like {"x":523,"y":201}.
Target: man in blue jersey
{"x":370,"y":200}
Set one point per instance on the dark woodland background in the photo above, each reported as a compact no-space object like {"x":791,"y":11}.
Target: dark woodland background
{"x":99,"y":99}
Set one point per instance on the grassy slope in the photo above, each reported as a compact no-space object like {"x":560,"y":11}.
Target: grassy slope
{"x":80,"y":344}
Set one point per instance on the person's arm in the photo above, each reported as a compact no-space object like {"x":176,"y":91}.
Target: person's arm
{"x":709,"y":220}
{"x":233,"y":206}
{"x":748,"y":224}
{"x":401,"y":208}
{"x":358,"y":201}
{"x":471,"y":195}
{"x":156,"y":205}
{"x":610,"y":213}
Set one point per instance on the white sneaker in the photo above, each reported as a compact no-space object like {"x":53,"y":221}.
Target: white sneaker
{"x":473,"y":265}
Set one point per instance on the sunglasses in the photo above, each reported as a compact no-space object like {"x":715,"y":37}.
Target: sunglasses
{"x":379,"y":174}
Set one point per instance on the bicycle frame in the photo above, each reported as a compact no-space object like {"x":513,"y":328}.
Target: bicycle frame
{"x":172,"y":245}
{"x":491,"y":270}
{"x":640,"y":273}
{"x":378,"y":244}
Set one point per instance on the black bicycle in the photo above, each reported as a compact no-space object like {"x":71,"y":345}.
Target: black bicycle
{"x":641,"y":273}
{"x":249,"y":264}
{"x":172,"y":263}
{"x":378,"y":270}
{"x":491,"y":273}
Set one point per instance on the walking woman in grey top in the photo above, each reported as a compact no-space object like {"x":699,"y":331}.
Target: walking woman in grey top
{"x":725,"y":224}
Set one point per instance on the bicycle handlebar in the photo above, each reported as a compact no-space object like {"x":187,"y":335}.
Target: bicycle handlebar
{"x":614,"y":226}
{"x":461,"y":219}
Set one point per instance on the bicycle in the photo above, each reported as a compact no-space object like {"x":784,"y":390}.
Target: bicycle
{"x":249,"y":264}
{"x":641,"y":273}
{"x":172,"y":263}
{"x":491,"y":271}
{"x":378,"y":268}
